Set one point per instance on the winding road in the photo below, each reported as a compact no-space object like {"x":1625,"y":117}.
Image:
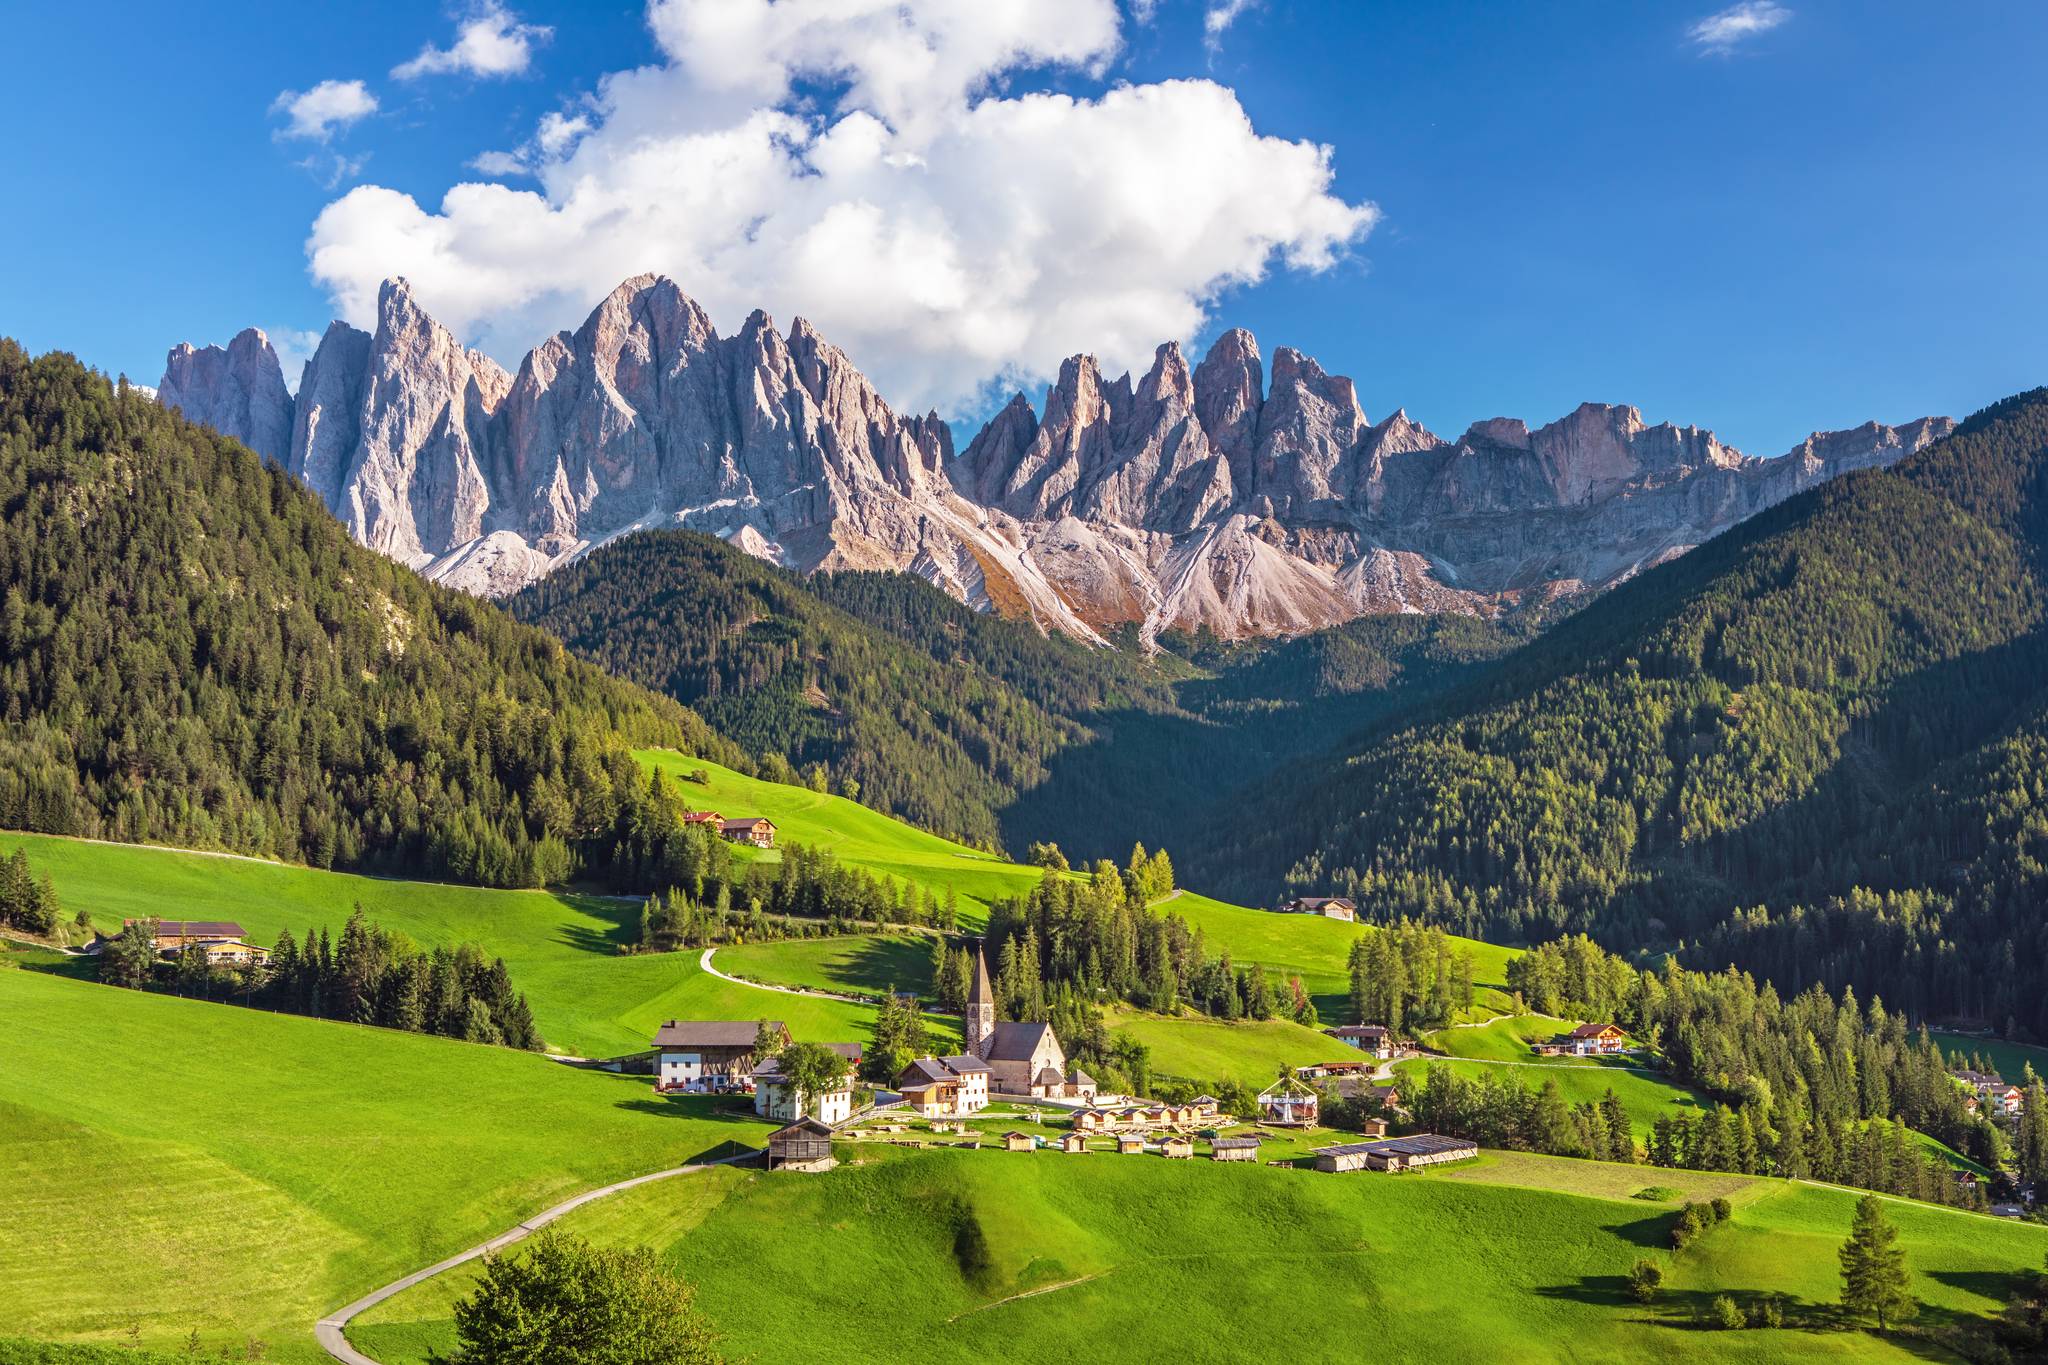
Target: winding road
{"x":328,"y":1331}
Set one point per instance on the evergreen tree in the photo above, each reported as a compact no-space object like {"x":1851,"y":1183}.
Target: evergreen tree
{"x":1875,"y":1280}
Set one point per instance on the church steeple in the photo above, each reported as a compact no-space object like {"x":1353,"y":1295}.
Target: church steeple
{"x":978,"y":1020}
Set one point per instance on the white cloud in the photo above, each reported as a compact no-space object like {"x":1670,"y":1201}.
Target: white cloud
{"x":1217,"y":19}
{"x":498,"y":163}
{"x":491,"y":42}
{"x":863,"y":163}
{"x":319,"y":112}
{"x":1722,"y":32}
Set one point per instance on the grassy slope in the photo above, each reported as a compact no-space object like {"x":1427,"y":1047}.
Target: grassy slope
{"x":856,"y":835}
{"x":561,"y":949}
{"x":1502,"y":1047}
{"x":859,"y":963}
{"x":2011,"y":1059}
{"x":192,"y":1165}
{"x":1210,"y":1049}
{"x":1194,"y":1261}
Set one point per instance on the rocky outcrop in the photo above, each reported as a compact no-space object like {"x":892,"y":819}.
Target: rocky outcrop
{"x":1204,"y":498}
{"x":239,"y":391}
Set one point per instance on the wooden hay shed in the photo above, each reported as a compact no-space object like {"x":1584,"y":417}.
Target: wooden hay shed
{"x":805,"y":1145}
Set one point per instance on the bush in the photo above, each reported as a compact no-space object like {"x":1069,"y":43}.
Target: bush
{"x":1723,"y":1211}
{"x":1727,"y":1313}
{"x":1656,"y":1193}
{"x":1770,"y":1312}
{"x":1645,"y":1278}
{"x":561,"y":1300}
{"x":1688,"y":1225}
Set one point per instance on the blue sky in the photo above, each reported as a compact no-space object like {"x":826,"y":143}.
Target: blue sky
{"x":1836,"y":213}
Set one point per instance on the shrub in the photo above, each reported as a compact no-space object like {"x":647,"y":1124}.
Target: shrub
{"x":1769,"y":1312}
{"x":1645,"y":1278}
{"x":1656,"y":1193}
{"x":1727,"y":1313}
{"x":1723,"y":1211}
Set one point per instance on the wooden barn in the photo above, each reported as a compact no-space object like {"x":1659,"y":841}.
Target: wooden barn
{"x":1128,"y":1144}
{"x":1234,"y":1149}
{"x":805,"y":1145}
{"x":1073,"y":1142}
{"x":1179,"y":1146}
{"x":1018,"y":1142}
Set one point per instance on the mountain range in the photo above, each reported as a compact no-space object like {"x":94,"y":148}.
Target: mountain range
{"x":1217,"y":497}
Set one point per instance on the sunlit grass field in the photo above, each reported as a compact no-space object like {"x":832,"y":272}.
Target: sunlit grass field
{"x":1200,"y":1261}
{"x":562,"y":950}
{"x":182,"y":1165}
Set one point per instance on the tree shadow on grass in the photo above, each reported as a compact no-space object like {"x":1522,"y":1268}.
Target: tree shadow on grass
{"x":879,"y":964}
{"x":1652,"y":1233}
{"x":1997,"y":1286}
{"x":621,"y":920}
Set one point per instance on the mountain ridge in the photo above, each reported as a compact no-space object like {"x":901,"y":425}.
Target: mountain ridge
{"x":1211,"y":497}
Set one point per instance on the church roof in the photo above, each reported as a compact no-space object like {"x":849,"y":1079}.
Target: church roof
{"x":1011,"y":1042}
{"x":980,"y":993}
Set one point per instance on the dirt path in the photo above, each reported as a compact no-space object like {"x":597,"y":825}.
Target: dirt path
{"x":1027,"y":1294}
{"x":706,"y":963}
{"x":328,"y":1331}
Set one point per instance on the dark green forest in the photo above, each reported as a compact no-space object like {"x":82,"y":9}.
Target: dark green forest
{"x":193,"y":652}
{"x":1812,"y":746}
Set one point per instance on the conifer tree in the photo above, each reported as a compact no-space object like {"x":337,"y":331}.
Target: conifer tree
{"x":1875,"y":1280}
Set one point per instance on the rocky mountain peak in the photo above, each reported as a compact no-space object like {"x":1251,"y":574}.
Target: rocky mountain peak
{"x":1216,"y":497}
{"x":1311,"y":420}
{"x":238,"y":391}
{"x":1230,"y":389}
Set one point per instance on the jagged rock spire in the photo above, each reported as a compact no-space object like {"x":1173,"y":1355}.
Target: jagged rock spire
{"x":1225,"y":498}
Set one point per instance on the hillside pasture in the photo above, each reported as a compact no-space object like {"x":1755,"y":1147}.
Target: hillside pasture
{"x":1250,"y":1051}
{"x":857,"y":836}
{"x":562,"y":950}
{"x":1032,"y":1256}
{"x":176,"y":1165}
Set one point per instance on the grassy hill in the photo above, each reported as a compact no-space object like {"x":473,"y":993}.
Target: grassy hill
{"x":1204,"y":1262}
{"x":562,"y":950}
{"x":184,"y":1165}
{"x":853,"y":833}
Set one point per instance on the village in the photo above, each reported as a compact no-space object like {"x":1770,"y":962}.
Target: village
{"x":1011,"y":1085}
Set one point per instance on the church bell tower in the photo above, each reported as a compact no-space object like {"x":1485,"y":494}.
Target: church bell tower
{"x":978,"y":1020}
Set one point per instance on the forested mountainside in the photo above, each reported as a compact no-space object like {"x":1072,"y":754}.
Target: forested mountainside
{"x":878,"y":684}
{"x":193,"y":652}
{"x":972,"y":724}
{"x":1814,"y":746}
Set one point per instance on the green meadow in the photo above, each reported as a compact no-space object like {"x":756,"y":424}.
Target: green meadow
{"x":862,"y":964}
{"x":857,"y":836}
{"x":562,"y":950}
{"x":1646,"y":1096}
{"x":1318,"y":950}
{"x":1248,"y":1051}
{"x":1031,"y":1256}
{"x":2011,"y":1059}
{"x":176,"y":1165}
